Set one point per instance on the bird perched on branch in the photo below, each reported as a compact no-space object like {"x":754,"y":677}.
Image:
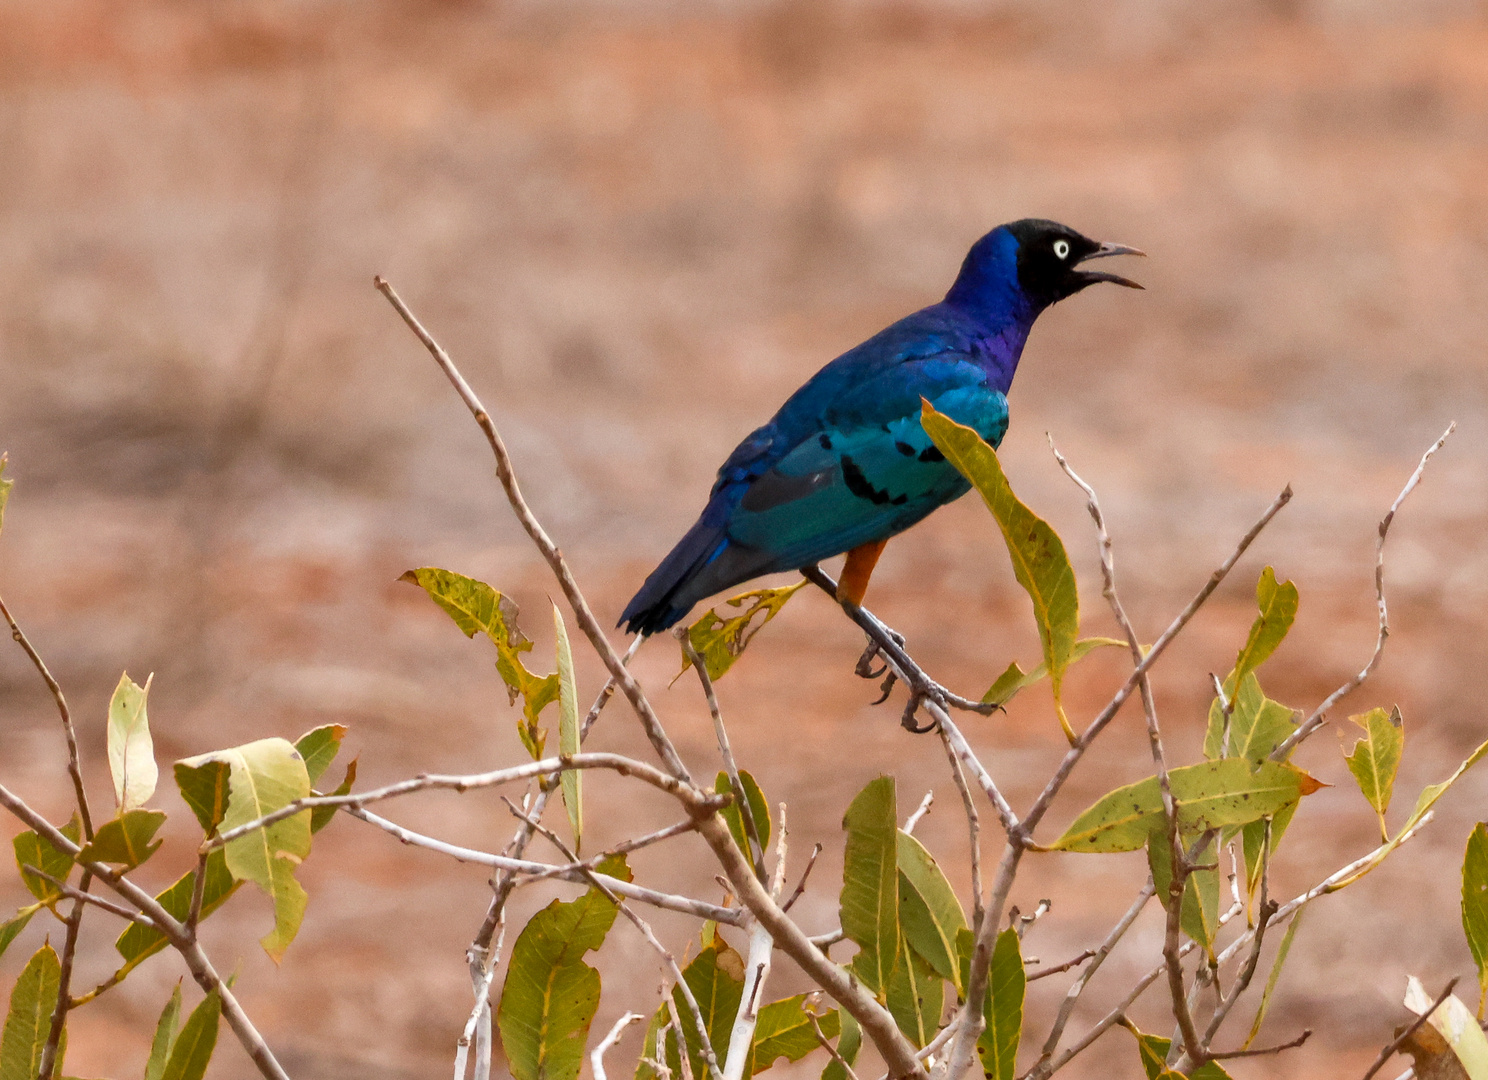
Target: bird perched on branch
{"x":845,"y":463}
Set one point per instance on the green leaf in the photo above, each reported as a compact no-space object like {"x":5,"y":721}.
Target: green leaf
{"x":475,"y":606}
{"x":320,"y":816}
{"x":929,"y":913}
{"x":29,"y":1020}
{"x":11,"y":930}
{"x":1454,"y":1022}
{"x":759,"y":810}
{"x":1039,"y":560}
{"x":916,"y":996}
{"x":126,"y":839}
{"x":205,"y":788}
{"x":130,"y":752}
{"x":1153,"y":1050}
{"x":137,"y":942}
{"x":848,"y":1045}
{"x":1011,"y":681}
{"x":265,"y":776}
{"x":1209,"y":795}
{"x":1253,"y":841}
{"x":870,"y":883}
{"x":165,"y":1036}
{"x":721,"y":640}
{"x":192,"y":1049}
{"x":783,"y":1030}
{"x":31,"y":850}
{"x":998,"y":1044}
{"x":1376,"y":757}
{"x":5,"y":486}
{"x":551,"y":995}
{"x":319,"y":747}
{"x":1271,"y":980}
{"x":1258,"y":725}
{"x":716,"y":979}
{"x":1278,"y":610}
{"x":1199,"y":917}
{"x":1475,"y":905}
{"x":568,"y":729}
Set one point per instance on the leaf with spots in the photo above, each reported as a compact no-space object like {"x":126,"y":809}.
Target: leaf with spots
{"x":722,"y":639}
{"x":1039,"y":560}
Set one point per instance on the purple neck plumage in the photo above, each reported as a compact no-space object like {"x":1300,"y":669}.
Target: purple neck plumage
{"x":987,"y":294}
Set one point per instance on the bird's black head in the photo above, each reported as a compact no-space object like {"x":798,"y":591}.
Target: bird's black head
{"x":1019,"y":269}
{"x":1049,"y":256}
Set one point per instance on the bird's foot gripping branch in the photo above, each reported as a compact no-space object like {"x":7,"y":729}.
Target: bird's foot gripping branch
{"x":917,"y":978}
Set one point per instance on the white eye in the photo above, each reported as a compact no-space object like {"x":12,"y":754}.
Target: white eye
{"x":1061,"y":249}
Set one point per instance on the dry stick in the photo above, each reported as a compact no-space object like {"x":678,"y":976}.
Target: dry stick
{"x":48,"y":1062}
{"x":973,"y":827}
{"x":684,"y":904}
{"x":1067,"y":1007}
{"x":479,"y":1019}
{"x":1231,"y":1054}
{"x":919,"y":812}
{"x":1044,"y":973}
{"x":191,"y":952}
{"x":621,"y":848}
{"x":1394,"y":1045}
{"x":693,"y":799}
{"x":90,"y":898}
{"x":554,"y":558}
{"x":800,"y":888}
{"x":1173,"y":904}
{"x":596,"y":1057}
{"x":1313,"y":722}
{"x":756,"y":970}
{"x":875,"y":1020}
{"x":725,"y":751}
{"x":829,"y":1048}
{"x":1248,"y":969}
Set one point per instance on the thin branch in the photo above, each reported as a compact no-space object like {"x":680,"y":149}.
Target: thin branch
{"x":684,"y":904}
{"x":829,"y":1048}
{"x":831,"y":937}
{"x":1247,"y":971}
{"x":550,"y":553}
{"x":607,"y":691}
{"x":1394,"y":1045}
{"x":622,"y":848}
{"x":1229,"y":1055}
{"x":91,"y":898}
{"x":756,"y":969}
{"x":800,"y":888}
{"x":1320,"y":714}
{"x":481,"y":979}
{"x":690,"y":796}
{"x":596,"y":1057}
{"x":1044,"y":973}
{"x":919,"y":812}
{"x":741,"y":799}
{"x":973,"y":826}
{"x":957,"y":744}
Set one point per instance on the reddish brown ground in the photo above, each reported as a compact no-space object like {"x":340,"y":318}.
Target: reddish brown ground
{"x":638,"y":230}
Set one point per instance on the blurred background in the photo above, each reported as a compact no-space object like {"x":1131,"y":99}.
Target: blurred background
{"x":638,"y":226}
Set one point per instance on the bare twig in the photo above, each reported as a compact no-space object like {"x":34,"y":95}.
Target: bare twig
{"x":801,"y":885}
{"x":756,"y":969}
{"x":1394,"y":1045}
{"x":829,"y":1048}
{"x":550,"y":553}
{"x":90,"y":898}
{"x":596,"y":1056}
{"x":973,"y":826}
{"x":1264,"y":1051}
{"x":1247,"y":970}
{"x":1044,"y":973}
{"x":956,"y":743}
{"x":621,"y":848}
{"x":919,"y":812}
{"x":691,"y":797}
{"x":741,"y":798}
{"x":608,"y":691}
{"x":1320,"y":714}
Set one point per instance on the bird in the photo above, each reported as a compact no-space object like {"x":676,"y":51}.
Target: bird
{"x":845,"y":463}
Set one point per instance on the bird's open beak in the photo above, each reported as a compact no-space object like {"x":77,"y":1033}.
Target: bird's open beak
{"x":1105,"y":250}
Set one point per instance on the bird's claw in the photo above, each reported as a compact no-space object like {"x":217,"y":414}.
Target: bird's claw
{"x":864,"y":668}
{"x":888,"y":685}
{"x":907,"y":721}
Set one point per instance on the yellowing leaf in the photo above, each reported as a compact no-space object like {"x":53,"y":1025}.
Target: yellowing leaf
{"x":759,"y":811}
{"x":192,"y":1048}
{"x":720,"y":640}
{"x":203,"y":783}
{"x":1015,"y":679}
{"x":29,"y":1020}
{"x":1455,"y":1023}
{"x":916,"y":996}
{"x":1278,"y":610}
{"x":1257,"y":724}
{"x":1039,"y":560}
{"x":571,"y":781}
{"x":783,"y":1030}
{"x":126,"y":839}
{"x":130,"y":752}
{"x":1376,"y":757}
{"x":321,"y":816}
{"x":1209,"y":795}
{"x":870,"y":883}
{"x":475,"y":606}
{"x":11,"y":928}
{"x":5,"y":486}
{"x":1475,"y":905}
{"x":32,"y":850}
{"x":929,"y":913}
{"x":265,"y":776}
{"x":165,"y":1035}
{"x":319,"y":747}
{"x":1275,"y":976}
{"x":551,"y":995}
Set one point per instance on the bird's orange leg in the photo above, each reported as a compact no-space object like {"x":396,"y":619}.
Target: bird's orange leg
{"x":853,"y":583}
